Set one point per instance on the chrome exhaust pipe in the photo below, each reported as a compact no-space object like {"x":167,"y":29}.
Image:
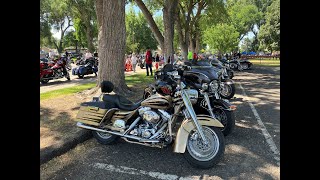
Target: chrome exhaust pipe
{"x":81,"y":125}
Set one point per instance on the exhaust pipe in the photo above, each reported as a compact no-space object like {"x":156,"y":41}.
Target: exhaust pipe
{"x":79,"y":124}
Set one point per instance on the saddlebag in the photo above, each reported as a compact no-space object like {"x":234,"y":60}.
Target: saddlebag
{"x":91,"y":113}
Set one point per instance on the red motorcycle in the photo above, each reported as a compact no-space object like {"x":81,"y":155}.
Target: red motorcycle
{"x":56,"y":70}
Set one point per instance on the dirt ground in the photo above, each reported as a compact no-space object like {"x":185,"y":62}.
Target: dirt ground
{"x":57,"y":116}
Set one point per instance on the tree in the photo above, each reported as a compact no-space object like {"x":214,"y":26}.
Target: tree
{"x":222,"y":37}
{"x":165,"y":41}
{"x":139,"y":35}
{"x":111,"y":43}
{"x":269,"y":34}
{"x":243,"y":17}
{"x":84,"y":11}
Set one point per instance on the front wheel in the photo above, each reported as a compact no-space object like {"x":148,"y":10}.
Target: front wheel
{"x":104,"y":138}
{"x":227,"y":120}
{"x":227,"y":90}
{"x":204,"y":156}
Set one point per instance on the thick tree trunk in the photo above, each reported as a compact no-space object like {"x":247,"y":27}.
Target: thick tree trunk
{"x":153,"y":26}
{"x":112,"y":39}
{"x":89,"y":36}
{"x":168,"y":21}
{"x":197,"y":37}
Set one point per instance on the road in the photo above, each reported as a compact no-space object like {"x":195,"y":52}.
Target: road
{"x":252,"y":149}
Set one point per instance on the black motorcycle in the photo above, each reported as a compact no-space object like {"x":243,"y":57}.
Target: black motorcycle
{"x":85,"y":67}
{"x":208,"y":102}
{"x":228,"y":73}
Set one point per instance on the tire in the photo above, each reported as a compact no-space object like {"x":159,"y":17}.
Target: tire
{"x":141,"y":66}
{"x":80,"y":76}
{"x":147,"y":92}
{"x":104,"y":138}
{"x":230,"y":93}
{"x":216,"y":139}
{"x":245,"y":66}
{"x":233,"y":66}
{"x":230,"y":74}
{"x":44,"y":81}
{"x":226,"y":118}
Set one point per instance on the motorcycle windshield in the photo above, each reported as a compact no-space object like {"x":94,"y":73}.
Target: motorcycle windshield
{"x":211,"y":72}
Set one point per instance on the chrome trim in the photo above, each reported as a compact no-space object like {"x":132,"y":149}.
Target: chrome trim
{"x":193,"y":115}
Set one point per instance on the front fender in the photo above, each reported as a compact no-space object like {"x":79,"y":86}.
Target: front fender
{"x":187,"y":126}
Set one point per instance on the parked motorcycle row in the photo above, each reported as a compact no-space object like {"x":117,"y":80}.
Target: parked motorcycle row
{"x":187,"y":107}
{"x":58,"y":68}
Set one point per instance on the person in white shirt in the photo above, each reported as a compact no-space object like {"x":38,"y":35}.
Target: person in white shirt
{"x":51,"y":54}
{"x":134,"y":60}
{"x":87,"y":55}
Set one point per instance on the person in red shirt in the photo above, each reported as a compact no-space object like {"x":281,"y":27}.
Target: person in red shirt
{"x":148,"y":61}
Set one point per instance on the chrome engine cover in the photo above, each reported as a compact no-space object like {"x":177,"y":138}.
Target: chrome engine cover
{"x":151,"y":116}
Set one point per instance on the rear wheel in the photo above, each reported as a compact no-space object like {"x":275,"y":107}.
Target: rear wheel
{"x":104,"y":138}
{"x":245,"y":66}
{"x":80,"y":76}
{"x":44,"y":81}
{"x":204,"y":156}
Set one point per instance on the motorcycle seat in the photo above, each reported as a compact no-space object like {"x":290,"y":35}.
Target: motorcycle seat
{"x":120,"y":102}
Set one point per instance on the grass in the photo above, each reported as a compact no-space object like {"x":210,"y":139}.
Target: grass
{"x":139,"y":79}
{"x":265,"y":62}
{"x":66,"y":91}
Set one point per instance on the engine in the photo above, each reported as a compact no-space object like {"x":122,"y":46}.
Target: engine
{"x":150,"y":124}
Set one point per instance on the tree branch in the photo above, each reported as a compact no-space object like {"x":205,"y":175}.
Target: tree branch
{"x":151,"y":22}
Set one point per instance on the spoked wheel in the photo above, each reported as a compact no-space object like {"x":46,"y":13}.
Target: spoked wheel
{"x":227,"y":120}
{"x":202,"y":155}
{"x":104,"y":138}
{"x":227,"y":90}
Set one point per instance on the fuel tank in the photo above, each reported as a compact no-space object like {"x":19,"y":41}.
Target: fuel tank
{"x":157,"y":101}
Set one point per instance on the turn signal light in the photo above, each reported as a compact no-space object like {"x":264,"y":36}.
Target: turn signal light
{"x":233,"y":107}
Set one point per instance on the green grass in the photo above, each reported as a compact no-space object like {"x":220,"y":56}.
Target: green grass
{"x":66,"y":91}
{"x":139,"y":79}
{"x":265,"y":62}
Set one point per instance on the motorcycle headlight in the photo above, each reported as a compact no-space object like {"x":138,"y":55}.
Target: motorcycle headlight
{"x":214,"y":85}
{"x":204,"y":86}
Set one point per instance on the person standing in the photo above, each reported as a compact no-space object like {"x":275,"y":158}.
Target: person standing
{"x":87,"y":55}
{"x":190,"y":55}
{"x":148,"y":61}
{"x":51,"y":55}
{"x":157,"y":61}
{"x":134,"y":60}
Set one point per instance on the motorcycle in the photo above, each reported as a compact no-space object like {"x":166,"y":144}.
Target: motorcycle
{"x":156,"y":122}
{"x":53,"y":70}
{"x":85,"y":67}
{"x":228,"y":73}
{"x":208,"y":102}
{"x":238,"y":64}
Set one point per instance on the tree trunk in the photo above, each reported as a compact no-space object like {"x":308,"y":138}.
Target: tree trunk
{"x":168,"y":21}
{"x":89,"y":36}
{"x":153,"y":26}
{"x":182,"y":39}
{"x":112,"y":41}
{"x":197,"y":37}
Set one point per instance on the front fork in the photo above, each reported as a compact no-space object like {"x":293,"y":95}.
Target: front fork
{"x":193,"y":115}
{"x":206,"y":97}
